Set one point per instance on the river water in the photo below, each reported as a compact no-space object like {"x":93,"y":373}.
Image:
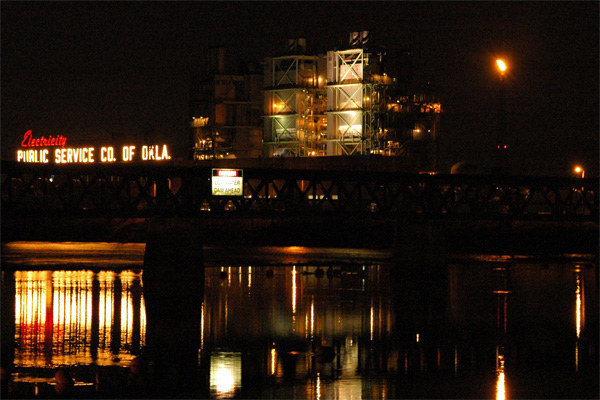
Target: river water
{"x":302,"y":323}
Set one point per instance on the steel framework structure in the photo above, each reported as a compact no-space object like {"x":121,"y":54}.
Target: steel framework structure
{"x":129,"y":191}
{"x":293,"y":102}
{"x":353,"y":104}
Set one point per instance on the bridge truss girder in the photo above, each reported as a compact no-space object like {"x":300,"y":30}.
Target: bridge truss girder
{"x":148,"y":191}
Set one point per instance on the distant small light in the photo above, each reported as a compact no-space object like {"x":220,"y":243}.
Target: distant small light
{"x":501,"y":65}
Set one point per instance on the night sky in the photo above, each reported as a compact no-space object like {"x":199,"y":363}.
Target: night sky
{"x":100,"y":72}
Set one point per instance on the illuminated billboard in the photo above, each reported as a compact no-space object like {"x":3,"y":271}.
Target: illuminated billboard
{"x":227,"y":182}
{"x":54,"y":149}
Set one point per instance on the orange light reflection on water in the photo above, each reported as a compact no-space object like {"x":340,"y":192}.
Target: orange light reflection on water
{"x":54,"y":316}
{"x":579,"y":310}
{"x":500,"y":386}
{"x":225,"y":374}
{"x":501,"y":378}
{"x":294,"y":290}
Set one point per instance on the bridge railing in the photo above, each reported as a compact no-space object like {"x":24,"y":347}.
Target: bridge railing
{"x":141,"y":191}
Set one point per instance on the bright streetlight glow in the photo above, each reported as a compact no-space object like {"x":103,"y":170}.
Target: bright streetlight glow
{"x":579,"y":170}
{"x":501,"y":65}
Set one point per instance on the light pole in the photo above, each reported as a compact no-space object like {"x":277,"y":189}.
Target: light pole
{"x":501,"y":145}
{"x":579,"y":171}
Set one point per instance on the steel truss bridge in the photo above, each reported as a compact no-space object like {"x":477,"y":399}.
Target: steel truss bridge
{"x":142,"y":191}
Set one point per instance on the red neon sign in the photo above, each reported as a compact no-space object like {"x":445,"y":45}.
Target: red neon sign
{"x":30,"y":141}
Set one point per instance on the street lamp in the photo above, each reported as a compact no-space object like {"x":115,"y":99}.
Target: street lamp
{"x":579,"y":170}
{"x":501,"y":145}
{"x":501,"y":67}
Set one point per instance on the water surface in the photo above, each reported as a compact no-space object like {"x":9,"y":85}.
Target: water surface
{"x":309,"y":323}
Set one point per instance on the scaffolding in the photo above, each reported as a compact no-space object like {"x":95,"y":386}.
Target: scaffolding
{"x":294,"y":96}
{"x":225,"y":111}
{"x":354,"y":103}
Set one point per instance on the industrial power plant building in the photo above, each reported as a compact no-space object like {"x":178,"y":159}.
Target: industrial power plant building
{"x":355,"y":101}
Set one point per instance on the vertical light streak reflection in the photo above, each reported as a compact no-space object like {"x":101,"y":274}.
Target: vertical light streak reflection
{"x":49,"y":317}
{"x":579,"y":311}
{"x":202,"y":312}
{"x":294,"y":288}
{"x":226,"y":312}
{"x":58,"y":319}
{"x":577,"y":356}
{"x":455,"y":360}
{"x":59,"y":301}
{"x":143,"y":323}
{"x":500,"y":387}
{"x":312,"y":316}
{"x":500,"y":382}
{"x":273,"y":361}
{"x":306,"y":328}
{"x":58,"y":310}
{"x":318,"y":394}
{"x":371,"y":318}
{"x":106,"y":306}
{"x":89,"y":303}
{"x":127,"y":315}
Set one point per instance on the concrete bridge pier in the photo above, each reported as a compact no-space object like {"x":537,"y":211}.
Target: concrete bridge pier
{"x":420,"y":298}
{"x":419,"y":248}
{"x":173,"y":285}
